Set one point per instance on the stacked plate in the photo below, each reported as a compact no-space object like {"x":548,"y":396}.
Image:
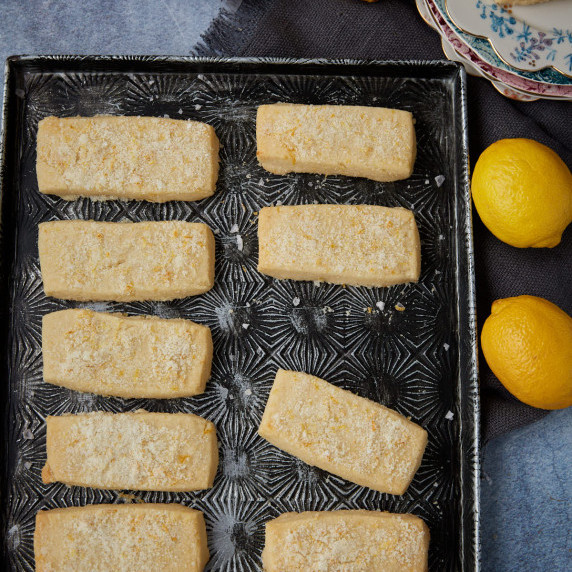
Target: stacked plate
{"x":525,"y":51}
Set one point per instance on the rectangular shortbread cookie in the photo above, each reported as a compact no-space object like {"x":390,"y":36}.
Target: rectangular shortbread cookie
{"x":348,"y":540}
{"x":122,"y":538}
{"x":359,"y":245}
{"x":140,"y":451}
{"x":88,"y":260}
{"x":145,"y":158}
{"x":347,"y":435}
{"x":372,"y":142}
{"x":112,"y":354}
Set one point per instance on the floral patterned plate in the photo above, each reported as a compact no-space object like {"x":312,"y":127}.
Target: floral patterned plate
{"x":527,"y":38}
{"x":485,"y":50}
{"x":510,"y":84}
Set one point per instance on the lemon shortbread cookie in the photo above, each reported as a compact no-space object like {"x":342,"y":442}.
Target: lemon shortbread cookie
{"x":123,"y":538}
{"x":88,"y":260}
{"x":140,"y":450}
{"x":360,"y":245}
{"x":372,"y":142}
{"x":145,"y":158}
{"x":112,"y":354}
{"x":348,"y":540}
{"x":342,"y":433}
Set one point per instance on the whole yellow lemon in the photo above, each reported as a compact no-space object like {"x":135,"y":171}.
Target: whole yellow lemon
{"x":523,"y":192}
{"x":527,"y":342}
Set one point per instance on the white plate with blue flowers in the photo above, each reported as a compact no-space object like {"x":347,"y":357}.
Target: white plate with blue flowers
{"x":508,"y":81}
{"x":528,"y":38}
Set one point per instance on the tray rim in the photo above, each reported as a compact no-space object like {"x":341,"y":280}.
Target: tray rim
{"x":464,"y":240}
{"x":472,"y":318}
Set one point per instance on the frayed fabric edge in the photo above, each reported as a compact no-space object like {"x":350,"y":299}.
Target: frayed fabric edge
{"x":231,"y":30}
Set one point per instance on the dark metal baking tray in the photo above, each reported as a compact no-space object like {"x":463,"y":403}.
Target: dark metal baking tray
{"x":420,"y":360}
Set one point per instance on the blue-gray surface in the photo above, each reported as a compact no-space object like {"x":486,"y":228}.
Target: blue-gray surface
{"x":527,"y":498}
{"x":527,"y":490}
{"x":103,"y":27}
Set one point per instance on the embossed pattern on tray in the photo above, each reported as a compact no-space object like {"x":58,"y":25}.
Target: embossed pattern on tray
{"x":357,"y":338}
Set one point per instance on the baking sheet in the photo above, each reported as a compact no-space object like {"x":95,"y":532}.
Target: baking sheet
{"x":420,"y":360}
